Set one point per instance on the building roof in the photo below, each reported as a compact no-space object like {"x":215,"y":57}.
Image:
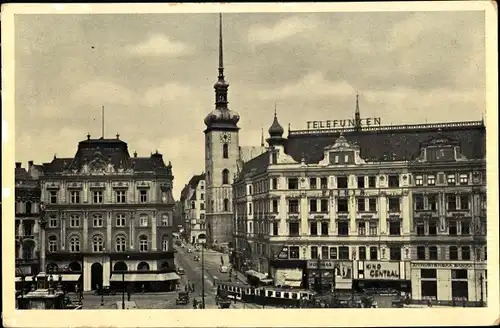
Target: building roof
{"x":249,"y":152}
{"x":195,"y":180}
{"x":381,"y":144}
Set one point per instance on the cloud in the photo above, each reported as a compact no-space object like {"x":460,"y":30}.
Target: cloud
{"x":285,"y":28}
{"x":166,"y":93}
{"x":97,"y":93}
{"x":159,"y":45}
{"x":313,"y":84}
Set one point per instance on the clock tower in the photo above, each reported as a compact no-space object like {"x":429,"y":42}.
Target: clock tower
{"x":221,"y":158}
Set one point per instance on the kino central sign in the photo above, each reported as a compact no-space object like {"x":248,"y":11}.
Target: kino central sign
{"x":340,"y":124}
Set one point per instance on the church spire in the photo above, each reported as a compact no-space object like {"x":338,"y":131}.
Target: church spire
{"x":357,"y":118}
{"x":221,"y":85}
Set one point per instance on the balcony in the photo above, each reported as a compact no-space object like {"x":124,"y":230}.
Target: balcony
{"x":458,"y":213}
{"x":367,"y":215}
{"x":425,"y":213}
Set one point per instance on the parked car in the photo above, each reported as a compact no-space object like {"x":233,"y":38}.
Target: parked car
{"x":190,"y":250}
{"x":224,"y":269}
{"x":182,"y":298}
{"x":106,"y":290}
{"x":180,"y":271}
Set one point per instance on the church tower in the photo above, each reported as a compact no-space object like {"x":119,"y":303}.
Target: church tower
{"x":221,"y":158}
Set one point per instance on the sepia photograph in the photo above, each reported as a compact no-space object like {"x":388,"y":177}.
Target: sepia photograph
{"x":335,"y":157}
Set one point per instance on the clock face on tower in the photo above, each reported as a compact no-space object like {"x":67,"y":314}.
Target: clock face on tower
{"x":225,"y":137}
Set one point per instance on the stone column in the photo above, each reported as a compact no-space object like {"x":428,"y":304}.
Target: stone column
{"x":85,"y":230}
{"x":63,"y":230}
{"x":109,"y":221}
{"x":131,"y":230}
{"x":153,"y":231}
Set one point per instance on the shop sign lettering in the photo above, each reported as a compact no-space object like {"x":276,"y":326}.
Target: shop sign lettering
{"x":441,"y":265}
{"x":382,"y":270}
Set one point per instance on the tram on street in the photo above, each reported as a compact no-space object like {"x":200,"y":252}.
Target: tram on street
{"x":264,"y":295}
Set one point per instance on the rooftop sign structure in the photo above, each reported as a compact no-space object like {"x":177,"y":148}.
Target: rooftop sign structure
{"x":341,"y":124}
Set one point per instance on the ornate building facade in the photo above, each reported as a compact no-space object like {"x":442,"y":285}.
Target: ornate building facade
{"x":193,"y":209}
{"x":108,"y":212}
{"x":338,"y":208}
{"x":27,"y":219}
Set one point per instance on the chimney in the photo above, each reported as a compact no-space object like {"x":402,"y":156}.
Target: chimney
{"x":30,"y":163}
{"x":18,"y":165}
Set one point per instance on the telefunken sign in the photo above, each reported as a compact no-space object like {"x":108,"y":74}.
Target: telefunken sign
{"x":381,"y":270}
{"x":340,"y":124}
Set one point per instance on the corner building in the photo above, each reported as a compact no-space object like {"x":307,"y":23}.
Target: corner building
{"x":337,"y":208}
{"x":108,"y":212}
{"x":193,"y":209}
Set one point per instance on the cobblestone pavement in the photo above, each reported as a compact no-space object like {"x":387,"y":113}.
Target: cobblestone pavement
{"x":143,"y":301}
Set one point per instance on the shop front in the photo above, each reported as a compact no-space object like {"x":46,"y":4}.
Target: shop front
{"x":449,"y":282}
{"x":391,"y":277}
{"x":329,"y":275}
{"x":289,"y":273}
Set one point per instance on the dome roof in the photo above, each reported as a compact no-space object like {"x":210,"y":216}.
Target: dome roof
{"x":276,"y":130}
{"x":222,"y":116}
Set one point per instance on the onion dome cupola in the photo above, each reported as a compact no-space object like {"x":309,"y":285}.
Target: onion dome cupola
{"x":275,"y":130}
{"x":221,"y":116}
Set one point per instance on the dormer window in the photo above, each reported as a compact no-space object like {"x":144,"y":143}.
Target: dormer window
{"x":440,"y":148}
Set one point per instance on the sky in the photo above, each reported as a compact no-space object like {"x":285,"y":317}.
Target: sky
{"x":154,"y":74}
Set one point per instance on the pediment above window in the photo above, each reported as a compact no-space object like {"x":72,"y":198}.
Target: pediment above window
{"x":342,"y":152}
{"x":440,"y":149}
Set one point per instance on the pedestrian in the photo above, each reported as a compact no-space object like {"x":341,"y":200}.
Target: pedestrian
{"x":195,"y":303}
{"x":143,"y":288}
{"x":192,"y":286}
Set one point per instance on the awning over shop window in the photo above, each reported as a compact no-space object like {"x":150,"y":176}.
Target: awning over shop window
{"x":68,"y":277}
{"x":145,"y":277}
{"x":28,"y":278}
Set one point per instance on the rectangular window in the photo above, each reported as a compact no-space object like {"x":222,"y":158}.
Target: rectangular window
{"x":312,"y":183}
{"x":97,"y":197}
{"x":372,"y":204}
{"x":314,"y":252}
{"x":202,"y":196}
{"x":202,"y":206}
{"x":97,"y":221}
{"x":451,"y":201}
{"x":294,"y":252}
{"x":432,"y":228}
{"x":336,"y":159}
{"x":420,"y":252}
{"x":143,"y":221}
{"x":274,"y":183}
{"x":313,"y":205}
{"x":465,"y":227}
{"x":458,"y":274}
{"x":324,"y":183}
{"x":420,"y":228}
{"x":343,"y":253}
{"x":342,"y":205}
{"x":419,"y":180}
{"x":452,"y":228}
{"x":428,"y":273}
{"x":361,"y":203}
{"x":361,"y":182}
{"x":419,"y":202}
{"x":453,"y":252}
{"x":466,"y":253}
{"x":431,"y":180}
{"x":393,"y":181}
{"x":293,"y":183}
{"x":433,"y":253}
{"x":324,"y":205}
{"x":275,"y":206}
{"x":333,"y":253}
{"x":371,"y":182}
{"x":362,"y":228}
{"x":464,"y":202}
{"x":394,"y":204}
{"x":275,"y":228}
{"x":53,"y":222}
{"x":293,"y":206}
{"x":120,"y":196}
{"x":373,"y":228}
{"x":432,"y":203}
{"x":324,"y":228}
{"x":75,"y":197}
{"x":373,"y":253}
{"x":342,"y":182}
{"x":74,"y":221}
{"x":464,"y":179}
{"x":293,"y":228}
{"x":324,"y":252}
{"x":395,"y":253}
{"x":362,"y":252}
{"x":53,"y":197}
{"x":143,"y":196}
{"x":395,"y":228}
{"x":274,"y":158}
{"x":120,"y":220}
{"x":313,"y":228}
{"x":451,"y":179}
{"x":343,"y":228}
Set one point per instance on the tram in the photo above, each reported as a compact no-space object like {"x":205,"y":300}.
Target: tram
{"x":264,"y":295}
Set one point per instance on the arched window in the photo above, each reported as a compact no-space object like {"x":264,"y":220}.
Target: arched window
{"x":120,"y":266}
{"x":225,"y":176}
{"x":164,"y":244}
{"x":164,"y":265}
{"x":225,"y":150}
{"x":28,"y":208}
{"x":226,"y":205}
{"x":74,"y":244}
{"x":143,"y":243}
{"x":143,"y":266}
{"x":75,"y":267}
{"x":121,"y":243}
{"x":52,"y":244}
{"x":97,"y":244}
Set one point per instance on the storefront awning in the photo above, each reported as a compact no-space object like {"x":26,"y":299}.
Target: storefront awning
{"x":145,"y":277}
{"x":69,"y":277}
{"x":28,"y":278}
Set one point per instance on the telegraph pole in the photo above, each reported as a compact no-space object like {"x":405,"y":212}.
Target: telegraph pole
{"x":202,"y":275}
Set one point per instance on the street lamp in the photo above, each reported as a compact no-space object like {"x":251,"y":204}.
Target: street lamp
{"x":202,"y":274}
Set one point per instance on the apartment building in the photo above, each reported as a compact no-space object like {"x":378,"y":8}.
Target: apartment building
{"x":193,"y":209}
